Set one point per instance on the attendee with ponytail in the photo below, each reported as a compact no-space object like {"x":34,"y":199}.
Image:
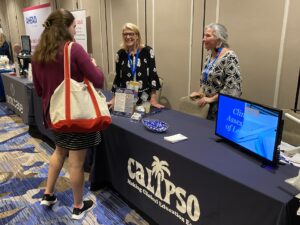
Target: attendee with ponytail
{"x":48,"y":73}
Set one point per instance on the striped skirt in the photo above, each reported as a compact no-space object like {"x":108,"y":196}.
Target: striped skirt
{"x":77,"y":141}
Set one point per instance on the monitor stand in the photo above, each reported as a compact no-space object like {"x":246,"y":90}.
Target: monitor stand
{"x":219,"y":140}
{"x":269,"y":167}
{"x":272,"y":166}
{"x":23,"y":61}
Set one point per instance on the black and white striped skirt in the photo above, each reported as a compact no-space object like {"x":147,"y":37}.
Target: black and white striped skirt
{"x":77,"y":141}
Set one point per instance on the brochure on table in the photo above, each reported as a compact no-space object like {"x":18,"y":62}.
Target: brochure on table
{"x":124,"y":102}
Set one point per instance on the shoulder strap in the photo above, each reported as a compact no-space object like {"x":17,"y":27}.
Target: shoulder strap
{"x":67,"y":76}
{"x":67,"y":60}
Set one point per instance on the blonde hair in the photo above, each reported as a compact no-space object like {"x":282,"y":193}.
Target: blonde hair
{"x":136,"y":30}
{"x":2,"y":39}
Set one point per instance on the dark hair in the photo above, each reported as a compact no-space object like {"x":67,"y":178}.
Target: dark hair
{"x":55,"y":33}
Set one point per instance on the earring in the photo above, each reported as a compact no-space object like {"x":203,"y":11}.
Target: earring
{"x":219,"y":45}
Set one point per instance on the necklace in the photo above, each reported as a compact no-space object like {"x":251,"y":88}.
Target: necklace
{"x":210,"y":64}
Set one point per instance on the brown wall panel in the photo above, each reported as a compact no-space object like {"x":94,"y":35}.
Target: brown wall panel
{"x":172,"y":33}
{"x":254,"y":34}
{"x":196,"y":45}
{"x":291,"y":59}
{"x":174,"y":30}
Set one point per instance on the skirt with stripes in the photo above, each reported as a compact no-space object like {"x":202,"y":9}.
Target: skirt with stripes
{"x":77,"y":141}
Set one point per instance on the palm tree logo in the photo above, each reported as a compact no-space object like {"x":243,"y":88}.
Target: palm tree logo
{"x":159,"y":168}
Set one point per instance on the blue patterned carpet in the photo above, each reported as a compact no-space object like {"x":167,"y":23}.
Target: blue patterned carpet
{"x":23,"y":174}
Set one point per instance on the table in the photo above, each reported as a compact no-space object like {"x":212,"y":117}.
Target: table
{"x":38,"y":116}
{"x":197,"y":181}
{"x":19,"y":96}
{"x":2,"y":95}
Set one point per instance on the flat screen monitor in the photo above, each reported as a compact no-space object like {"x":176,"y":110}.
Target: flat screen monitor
{"x":253,"y":127}
{"x":26,"y":44}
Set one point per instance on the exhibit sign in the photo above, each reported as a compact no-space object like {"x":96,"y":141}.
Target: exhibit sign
{"x":81,"y":34}
{"x":34,"y":17}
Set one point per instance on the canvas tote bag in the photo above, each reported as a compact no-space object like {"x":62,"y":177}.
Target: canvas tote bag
{"x":77,"y":106}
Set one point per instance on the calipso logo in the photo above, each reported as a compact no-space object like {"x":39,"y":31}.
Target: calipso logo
{"x":10,"y":99}
{"x":163,"y":192}
{"x":12,"y":89}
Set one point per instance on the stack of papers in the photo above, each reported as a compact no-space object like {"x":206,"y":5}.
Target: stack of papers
{"x":295,"y":158}
{"x":175,"y":138}
{"x":290,"y":153}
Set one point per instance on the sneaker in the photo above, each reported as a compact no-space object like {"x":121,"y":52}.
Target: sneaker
{"x":48,"y":200}
{"x":79,"y":213}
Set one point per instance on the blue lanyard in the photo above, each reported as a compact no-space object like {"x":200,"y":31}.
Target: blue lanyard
{"x":210,"y":64}
{"x":133,"y":68}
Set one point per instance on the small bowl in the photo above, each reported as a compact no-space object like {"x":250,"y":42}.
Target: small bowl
{"x":155,"y":125}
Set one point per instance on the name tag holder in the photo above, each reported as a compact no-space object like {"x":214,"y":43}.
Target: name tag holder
{"x":124,"y":102}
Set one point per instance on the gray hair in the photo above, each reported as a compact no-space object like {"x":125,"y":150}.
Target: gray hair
{"x":220,"y":33}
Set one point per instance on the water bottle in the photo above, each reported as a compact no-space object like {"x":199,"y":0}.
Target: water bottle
{"x":29,"y":74}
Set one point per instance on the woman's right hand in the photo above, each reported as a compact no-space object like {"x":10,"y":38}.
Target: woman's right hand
{"x":111,"y":103}
{"x":204,"y":100}
{"x":94,"y":61}
{"x":194,"y":94}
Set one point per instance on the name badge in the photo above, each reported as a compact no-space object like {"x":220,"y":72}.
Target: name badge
{"x":133,"y":85}
{"x":144,"y":97}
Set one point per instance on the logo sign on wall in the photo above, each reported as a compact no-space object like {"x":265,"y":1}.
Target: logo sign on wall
{"x":34,"y":17}
{"x":80,"y":20}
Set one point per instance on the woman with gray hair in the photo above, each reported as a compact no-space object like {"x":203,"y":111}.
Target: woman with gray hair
{"x":221,"y":73}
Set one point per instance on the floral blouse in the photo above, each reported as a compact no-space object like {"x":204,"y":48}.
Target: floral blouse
{"x":145,"y":72}
{"x":223,"y":76}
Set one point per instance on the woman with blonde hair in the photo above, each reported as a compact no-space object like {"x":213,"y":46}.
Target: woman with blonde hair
{"x":136,"y":67}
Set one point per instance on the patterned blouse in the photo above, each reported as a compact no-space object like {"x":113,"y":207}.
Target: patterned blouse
{"x":223,"y":76}
{"x":145,"y":72}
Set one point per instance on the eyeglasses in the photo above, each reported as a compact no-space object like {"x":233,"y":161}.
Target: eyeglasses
{"x":131,"y":34}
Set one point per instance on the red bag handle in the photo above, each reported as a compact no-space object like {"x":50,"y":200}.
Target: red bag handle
{"x":67,"y":77}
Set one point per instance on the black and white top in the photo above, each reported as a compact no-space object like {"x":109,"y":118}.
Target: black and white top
{"x":146,"y":73}
{"x":223,"y":76}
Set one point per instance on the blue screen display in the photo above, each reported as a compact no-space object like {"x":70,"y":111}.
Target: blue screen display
{"x":250,"y":125}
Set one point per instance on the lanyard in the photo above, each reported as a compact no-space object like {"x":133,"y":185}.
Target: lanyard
{"x":210,"y":64}
{"x":133,"y":68}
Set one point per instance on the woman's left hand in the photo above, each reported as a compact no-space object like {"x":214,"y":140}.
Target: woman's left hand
{"x":203,"y":101}
{"x":155,"y":104}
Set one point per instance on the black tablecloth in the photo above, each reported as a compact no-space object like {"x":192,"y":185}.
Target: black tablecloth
{"x":197,"y":181}
{"x":173,"y":183}
{"x":18,"y":96}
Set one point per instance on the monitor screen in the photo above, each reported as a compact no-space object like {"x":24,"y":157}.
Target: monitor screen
{"x":253,"y":127}
{"x":26,"y":44}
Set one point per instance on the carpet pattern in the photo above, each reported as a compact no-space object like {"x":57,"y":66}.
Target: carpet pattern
{"x":23,"y":173}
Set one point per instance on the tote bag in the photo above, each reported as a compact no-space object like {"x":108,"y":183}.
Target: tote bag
{"x":77,"y":106}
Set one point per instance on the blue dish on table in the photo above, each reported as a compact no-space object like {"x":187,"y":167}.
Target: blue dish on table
{"x":155,"y":125}
{"x":6,"y":70}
